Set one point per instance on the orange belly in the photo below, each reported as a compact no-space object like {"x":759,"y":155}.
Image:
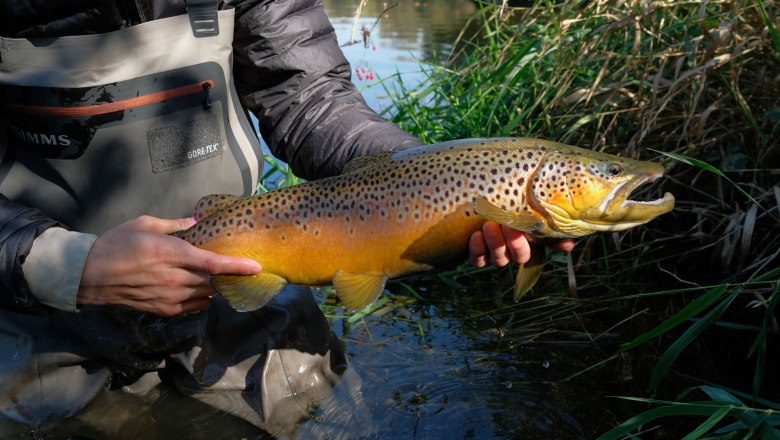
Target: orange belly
{"x":376,"y":246}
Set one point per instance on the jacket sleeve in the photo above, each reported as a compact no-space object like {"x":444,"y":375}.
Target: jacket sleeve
{"x":19,"y":226}
{"x":291,"y":73}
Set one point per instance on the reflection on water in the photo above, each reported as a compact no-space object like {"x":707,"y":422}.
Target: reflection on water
{"x":425,"y":28}
{"x":407,"y":34}
{"x":440,"y":384}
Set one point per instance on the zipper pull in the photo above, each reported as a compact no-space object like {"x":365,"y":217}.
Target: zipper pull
{"x":206,"y":97}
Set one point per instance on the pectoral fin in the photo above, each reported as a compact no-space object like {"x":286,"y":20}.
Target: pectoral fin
{"x":248,"y":292}
{"x":358,"y":290}
{"x":492,"y":212}
{"x":528,"y":273}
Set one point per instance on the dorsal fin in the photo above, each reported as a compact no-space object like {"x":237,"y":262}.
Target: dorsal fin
{"x":364,"y":161}
{"x":211,"y":204}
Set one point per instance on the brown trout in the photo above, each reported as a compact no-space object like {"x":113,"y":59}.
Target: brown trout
{"x":399,"y":213}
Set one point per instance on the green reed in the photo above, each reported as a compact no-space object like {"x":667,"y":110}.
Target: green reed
{"x":693,"y":81}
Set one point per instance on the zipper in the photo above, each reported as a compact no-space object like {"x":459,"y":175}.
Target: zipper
{"x":126,"y":104}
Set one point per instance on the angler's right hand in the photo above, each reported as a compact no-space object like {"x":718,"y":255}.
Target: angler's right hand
{"x":138,"y":265}
{"x":500,"y":244}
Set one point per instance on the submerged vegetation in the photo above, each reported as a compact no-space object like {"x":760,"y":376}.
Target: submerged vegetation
{"x":694,"y":294}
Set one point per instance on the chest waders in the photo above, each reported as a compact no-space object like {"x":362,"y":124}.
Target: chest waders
{"x":145,"y":120}
{"x":99,"y":129}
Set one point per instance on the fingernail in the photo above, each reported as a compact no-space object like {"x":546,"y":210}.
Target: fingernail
{"x":255,"y":265}
{"x":188,"y":222}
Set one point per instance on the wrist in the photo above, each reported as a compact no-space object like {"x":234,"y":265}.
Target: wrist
{"x":54,"y":266}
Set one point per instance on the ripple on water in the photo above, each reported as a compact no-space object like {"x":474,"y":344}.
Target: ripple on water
{"x":439,"y":386}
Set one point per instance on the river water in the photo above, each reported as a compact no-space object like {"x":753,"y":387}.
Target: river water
{"x":401,"y":38}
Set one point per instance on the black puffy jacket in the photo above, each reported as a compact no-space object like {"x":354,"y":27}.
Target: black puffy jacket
{"x":288,"y":70}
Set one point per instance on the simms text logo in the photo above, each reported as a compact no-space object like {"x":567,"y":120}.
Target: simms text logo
{"x":41,"y":138}
{"x":203,"y":151}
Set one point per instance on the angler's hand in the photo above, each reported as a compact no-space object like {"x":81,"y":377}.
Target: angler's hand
{"x":500,"y":245}
{"x":138,"y":265}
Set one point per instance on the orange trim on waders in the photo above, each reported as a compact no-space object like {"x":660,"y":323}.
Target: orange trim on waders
{"x":109,"y":107}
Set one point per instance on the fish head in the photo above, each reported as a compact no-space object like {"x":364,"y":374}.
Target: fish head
{"x":582,"y":191}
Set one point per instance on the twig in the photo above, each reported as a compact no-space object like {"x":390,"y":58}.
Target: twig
{"x":376,"y":22}
{"x":365,"y":31}
{"x":355,"y":21}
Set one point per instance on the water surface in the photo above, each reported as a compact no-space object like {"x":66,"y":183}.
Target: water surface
{"x":406,"y":35}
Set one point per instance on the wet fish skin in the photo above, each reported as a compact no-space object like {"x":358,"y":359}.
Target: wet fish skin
{"x":399,"y":213}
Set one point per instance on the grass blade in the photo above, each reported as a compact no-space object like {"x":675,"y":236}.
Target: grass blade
{"x":683,"y":315}
{"x":674,"y":410}
{"x":673,"y":352}
{"x":708,"y":424}
{"x":707,"y":167}
{"x":760,"y":344}
{"x":770,"y":27}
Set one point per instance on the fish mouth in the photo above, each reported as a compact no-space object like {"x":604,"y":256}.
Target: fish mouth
{"x":620,"y":208}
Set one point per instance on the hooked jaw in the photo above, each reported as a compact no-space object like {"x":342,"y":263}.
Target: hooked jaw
{"x":619,"y":208}
{"x":617,"y":212}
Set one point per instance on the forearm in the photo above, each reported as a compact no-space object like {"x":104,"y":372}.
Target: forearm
{"x":291,"y":73}
{"x":19,"y":227}
{"x":54,"y":266}
{"x":319,"y":136}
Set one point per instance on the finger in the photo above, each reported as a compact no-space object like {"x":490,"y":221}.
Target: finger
{"x":205,"y":290}
{"x":161,"y":225}
{"x":477,"y":250}
{"x":217,"y":264}
{"x":566,"y":245}
{"x":517,"y":244}
{"x":494,"y":239}
{"x":195,"y":305}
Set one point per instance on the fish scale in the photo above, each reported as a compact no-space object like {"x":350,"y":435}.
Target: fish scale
{"x":400,"y":213}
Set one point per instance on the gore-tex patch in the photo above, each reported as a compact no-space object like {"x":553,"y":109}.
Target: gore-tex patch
{"x":181,"y":145}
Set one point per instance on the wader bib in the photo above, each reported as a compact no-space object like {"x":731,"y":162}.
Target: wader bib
{"x":99,"y":129}
{"x":93,"y":121}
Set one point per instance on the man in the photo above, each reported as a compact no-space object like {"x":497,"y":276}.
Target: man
{"x":109,"y":136}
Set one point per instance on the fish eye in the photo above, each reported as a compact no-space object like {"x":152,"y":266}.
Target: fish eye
{"x":615,"y":170}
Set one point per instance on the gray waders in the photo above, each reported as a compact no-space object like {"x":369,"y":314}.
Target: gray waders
{"x":99,"y":129}
{"x":267,"y":367}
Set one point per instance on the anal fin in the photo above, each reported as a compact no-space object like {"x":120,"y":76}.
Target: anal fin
{"x":358,"y":290}
{"x":248,"y":292}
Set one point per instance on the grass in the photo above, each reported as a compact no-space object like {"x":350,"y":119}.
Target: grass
{"x":276,"y":175}
{"x":723,"y":406}
{"x":693,"y":84}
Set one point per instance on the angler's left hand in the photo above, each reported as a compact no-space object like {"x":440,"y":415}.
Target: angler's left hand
{"x":500,"y":245}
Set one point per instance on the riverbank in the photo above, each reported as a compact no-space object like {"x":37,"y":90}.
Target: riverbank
{"x":695,"y":292}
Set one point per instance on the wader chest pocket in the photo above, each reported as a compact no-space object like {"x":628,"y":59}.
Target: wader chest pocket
{"x":178,"y":115}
